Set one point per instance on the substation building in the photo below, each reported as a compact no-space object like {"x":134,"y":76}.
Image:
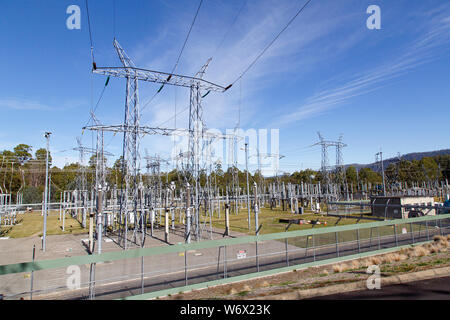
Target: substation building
{"x":382,"y":206}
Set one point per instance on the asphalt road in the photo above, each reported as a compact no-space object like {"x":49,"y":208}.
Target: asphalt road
{"x":432,"y":289}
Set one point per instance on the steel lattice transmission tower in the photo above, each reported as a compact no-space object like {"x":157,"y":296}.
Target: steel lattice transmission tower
{"x":340,"y":172}
{"x":130,"y":202}
{"x":339,"y":168}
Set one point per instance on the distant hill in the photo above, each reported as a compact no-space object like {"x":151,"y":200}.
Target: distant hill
{"x":408,"y":157}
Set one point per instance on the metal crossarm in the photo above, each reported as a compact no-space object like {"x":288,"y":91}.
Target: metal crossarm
{"x":158,"y":77}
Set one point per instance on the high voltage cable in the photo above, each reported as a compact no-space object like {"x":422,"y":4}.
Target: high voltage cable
{"x":229,"y":29}
{"x":214,"y":53}
{"x":90,"y":32}
{"x":271,"y":43}
{"x":98,"y":101}
{"x":179,"y":56}
{"x":114,"y":19}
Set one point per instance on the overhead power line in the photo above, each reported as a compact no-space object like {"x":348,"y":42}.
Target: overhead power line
{"x":179,"y":56}
{"x":271,"y":43}
{"x":90,"y":32}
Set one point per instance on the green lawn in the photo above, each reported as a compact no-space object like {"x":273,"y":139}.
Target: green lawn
{"x":270,"y":221}
{"x":31,"y":224}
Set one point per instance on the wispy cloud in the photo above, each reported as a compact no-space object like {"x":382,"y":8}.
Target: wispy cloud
{"x":258,"y":24}
{"x":21,"y":104}
{"x":32,"y":105}
{"x":423,"y":49}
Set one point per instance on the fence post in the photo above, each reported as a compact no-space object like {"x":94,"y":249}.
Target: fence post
{"x":287,"y":255}
{"x":337,"y":244}
{"x":395,"y":233}
{"x":92,"y":282}
{"x":32,"y":274}
{"x":412,"y":231}
{"x":314,"y":247}
{"x":428,"y":231}
{"x":379,"y":238}
{"x":185,"y":269}
{"x":142,"y":275}
{"x":225,"y":262}
{"x":257,"y":258}
{"x":359,"y":243}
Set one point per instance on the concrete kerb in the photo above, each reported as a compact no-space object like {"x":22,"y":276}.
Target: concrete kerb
{"x":263,"y":274}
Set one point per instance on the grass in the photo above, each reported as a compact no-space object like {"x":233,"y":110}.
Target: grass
{"x":287,"y":283}
{"x":269,"y":220}
{"x":32,"y":224}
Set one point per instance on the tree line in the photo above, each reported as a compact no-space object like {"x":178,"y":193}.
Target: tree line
{"x":23,"y":171}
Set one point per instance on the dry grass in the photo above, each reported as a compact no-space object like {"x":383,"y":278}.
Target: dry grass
{"x":441,"y":240}
{"x":232,"y":291}
{"x":388,"y":258}
{"x":375,"y":260}
{"x":434,"y":249}
{"x":246,"y":288}
{"x":419,"y":251}
{"x":355,"y":264}
{"x":338,"y":268}
{"x":396,"y":257}
{"x":264,"y":284}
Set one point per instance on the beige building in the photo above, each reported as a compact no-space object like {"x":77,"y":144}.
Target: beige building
{"x":380,"y":210}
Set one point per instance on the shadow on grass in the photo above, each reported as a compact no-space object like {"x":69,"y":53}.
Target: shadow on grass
{"x":4,"y":232}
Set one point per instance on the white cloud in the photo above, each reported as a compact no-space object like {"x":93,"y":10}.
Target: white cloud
{"x":21,"y":104}
{"x":421,"y":50}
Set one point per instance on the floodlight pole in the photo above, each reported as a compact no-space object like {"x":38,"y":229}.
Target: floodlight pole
{"x":248,"y":190}
{"x":47,"y":136}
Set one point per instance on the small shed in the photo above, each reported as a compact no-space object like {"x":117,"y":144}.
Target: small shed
{"x":380,"y":206}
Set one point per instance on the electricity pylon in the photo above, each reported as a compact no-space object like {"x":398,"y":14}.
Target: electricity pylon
{"x":324,"y":163}
{"x":133,"y":131}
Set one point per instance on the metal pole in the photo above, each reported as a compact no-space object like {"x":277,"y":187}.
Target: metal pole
{"x":256,"y":224}
{"x":47,"y":136}
{"x":286,"y":246}
{"x":185,"y":269}
{"x":248,"y":189}
{"x":379,"y":239}
{"x":359,"y":242}
{"x":395,"y":233}
{"x":412,"y":231}
{"x":225,"y":271}
{"x":99,"y":219}
{"x":142,"y":275}
{"x":188,"y":214}
{"x":92,"y":282}
{"x":382,"y":170}
{"x":337,"y":244}
{"x":32,"y":274}
{"x":227,"y":219}
{"x":64,"y":212}
{"x":314,"y":247}
{"x":428,"y":230}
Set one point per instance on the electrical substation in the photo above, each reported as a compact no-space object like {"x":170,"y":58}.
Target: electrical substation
{"x":156,"y":223}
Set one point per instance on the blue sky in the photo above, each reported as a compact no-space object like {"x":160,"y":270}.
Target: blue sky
{"x":327,"y":72}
